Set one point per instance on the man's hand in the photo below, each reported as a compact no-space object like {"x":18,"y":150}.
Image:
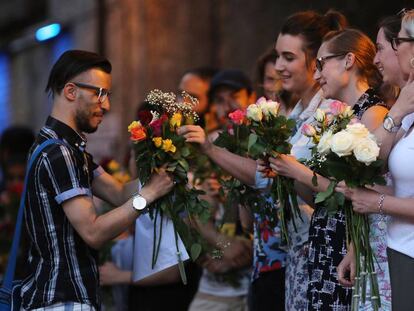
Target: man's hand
{"x":195,"y":134}
{"x":110,"y":274}
{"x":159,"y":184}
{"x":237,"y":252}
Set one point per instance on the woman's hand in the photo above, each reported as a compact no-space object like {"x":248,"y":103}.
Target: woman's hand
{"x":195,"y":134}
{"x":405,"y":102}
{"x":364,"y":201}
{"x":263,"y":168}
{"x":286,"y":165}
{"x":346,"y":269}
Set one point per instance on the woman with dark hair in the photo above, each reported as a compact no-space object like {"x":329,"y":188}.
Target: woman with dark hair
{"x":346,"y":72}
{"x":296,"y":49}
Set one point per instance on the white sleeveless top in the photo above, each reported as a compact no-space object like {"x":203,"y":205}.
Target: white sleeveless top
{"x":401,"y":231}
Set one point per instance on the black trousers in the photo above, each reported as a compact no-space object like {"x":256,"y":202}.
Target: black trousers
{"x":401,"y":274}
{"x":267,"y":292}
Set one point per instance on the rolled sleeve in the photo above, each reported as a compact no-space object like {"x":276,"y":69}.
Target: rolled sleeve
{"x":64,"y":196}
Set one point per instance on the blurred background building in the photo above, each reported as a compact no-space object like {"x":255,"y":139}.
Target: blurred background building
{"x":150,"y":44}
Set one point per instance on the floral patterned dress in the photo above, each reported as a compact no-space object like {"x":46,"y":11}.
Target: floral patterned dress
{"x":327,"y":245}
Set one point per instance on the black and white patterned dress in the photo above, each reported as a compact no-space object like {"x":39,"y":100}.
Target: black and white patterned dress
{"x":327,"y":244}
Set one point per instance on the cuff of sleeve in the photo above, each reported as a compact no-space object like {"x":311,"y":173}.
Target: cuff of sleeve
{"x":98,"y":171}
{"x":64,"y":196}
{"x":261,"y":182}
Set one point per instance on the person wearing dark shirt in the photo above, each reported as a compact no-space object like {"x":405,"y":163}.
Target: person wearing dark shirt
{"x":63,"y":228}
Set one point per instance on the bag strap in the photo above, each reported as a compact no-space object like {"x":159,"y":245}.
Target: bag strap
{"x":11,"y":264}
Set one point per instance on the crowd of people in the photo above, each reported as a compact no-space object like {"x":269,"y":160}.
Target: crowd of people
{"x":316,"y":59}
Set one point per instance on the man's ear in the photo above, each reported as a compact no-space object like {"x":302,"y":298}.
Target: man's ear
{"x":69,"y":91}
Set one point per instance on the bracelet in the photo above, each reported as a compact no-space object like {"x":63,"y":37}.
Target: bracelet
{"x":382,"y":224}
{"x":381,"y":204}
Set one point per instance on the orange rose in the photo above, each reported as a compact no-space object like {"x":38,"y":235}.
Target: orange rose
{"x":137,"y":131}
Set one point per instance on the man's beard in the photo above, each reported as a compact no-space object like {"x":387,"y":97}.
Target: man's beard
{"x":82,"y":123}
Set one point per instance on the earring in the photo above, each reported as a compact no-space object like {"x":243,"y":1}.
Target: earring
{"x":412,"y":62}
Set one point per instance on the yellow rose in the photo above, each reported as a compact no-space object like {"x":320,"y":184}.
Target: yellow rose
{"x":157,"y":141}
{"x":175,"y":120}
{"x":133,"y":125}
{"x":113,"y":166}
{"x":168,"y":146}
{"x":366,"y":151}
{"x":343,"y":143}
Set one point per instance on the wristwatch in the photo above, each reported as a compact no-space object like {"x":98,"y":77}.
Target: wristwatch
{"x":139,"y":203}
{"x":389,"y":124}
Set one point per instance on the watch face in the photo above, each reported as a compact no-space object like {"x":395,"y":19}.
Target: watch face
{"x":139,"y":203}
{"x":388,"y":124}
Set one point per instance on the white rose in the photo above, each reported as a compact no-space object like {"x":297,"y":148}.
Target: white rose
{"x":324,"y":145}
{"x":342,"y":143}
{"x":254,"y":112}
{"x":319,"y":115}
{"x":366,"y":151}
{"x":270,"y":108}
{"x":358,"y":130}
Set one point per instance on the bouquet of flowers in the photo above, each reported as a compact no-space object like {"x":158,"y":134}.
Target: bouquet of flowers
{"x":260,"y":132}
{"x":269,"y":135}
{"x":235,"y":140}
{"x":345,"y":151}
{"x":157,"y":144}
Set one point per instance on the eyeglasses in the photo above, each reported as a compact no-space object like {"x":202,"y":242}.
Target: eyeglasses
{"x":101,"y":92}
{"x":402,"y":12}
{"x":320,"y":61}
{"x":396,"y":41}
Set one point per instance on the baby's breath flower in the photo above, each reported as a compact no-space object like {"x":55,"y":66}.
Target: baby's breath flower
{"x":168,"y":102}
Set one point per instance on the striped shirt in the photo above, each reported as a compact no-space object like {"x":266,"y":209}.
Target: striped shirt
{"x":62,"y":267}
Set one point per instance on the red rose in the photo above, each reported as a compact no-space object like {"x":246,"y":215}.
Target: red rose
{"x":237,"y":116}
{"x":144,"y":116}
{"x":156,"y":125}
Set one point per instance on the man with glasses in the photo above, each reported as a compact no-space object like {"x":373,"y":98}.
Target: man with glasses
{"x":63,"y":228}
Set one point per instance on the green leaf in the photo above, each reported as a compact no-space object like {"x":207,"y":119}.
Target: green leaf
{"x":322,"y":196}
{"x":184,"y":164}
{"x":195,"y":251}
{"x":252,"y":140}
{"x":185,"y":151}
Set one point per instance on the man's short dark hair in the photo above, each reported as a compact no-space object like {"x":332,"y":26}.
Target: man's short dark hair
{"x":72,"y":63}
{"x":231,"y":78}
{"x":204,"y":73}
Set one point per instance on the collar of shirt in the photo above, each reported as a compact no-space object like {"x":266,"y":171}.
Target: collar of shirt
{"x":64,"y":131}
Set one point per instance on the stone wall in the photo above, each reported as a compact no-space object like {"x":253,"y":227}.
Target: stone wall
{"x":152,"y":42}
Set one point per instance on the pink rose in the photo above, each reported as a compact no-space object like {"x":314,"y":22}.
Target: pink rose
{"x":262,"y":100}
{"x":337,"y":108}
{"x":308,"y":130}
{"x":237,"y":116}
